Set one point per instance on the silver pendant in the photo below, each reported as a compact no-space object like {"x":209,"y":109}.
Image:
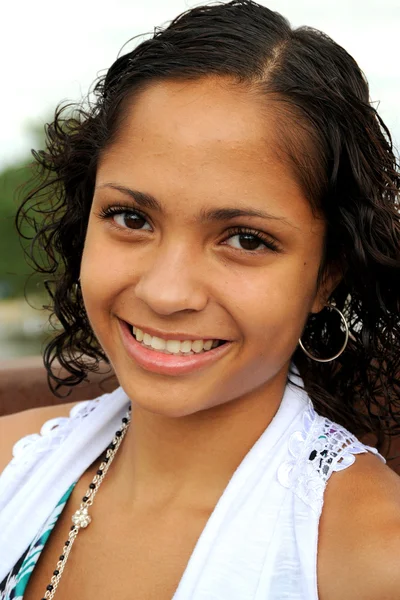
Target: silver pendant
{"x":81,"y":518}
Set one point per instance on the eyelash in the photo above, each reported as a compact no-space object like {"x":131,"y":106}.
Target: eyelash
{"x":270,"y":244}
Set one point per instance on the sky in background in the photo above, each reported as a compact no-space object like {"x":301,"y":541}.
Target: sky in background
{"x":52,"y":51}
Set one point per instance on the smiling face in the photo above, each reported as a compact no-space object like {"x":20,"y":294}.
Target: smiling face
{"x":183,"y":264}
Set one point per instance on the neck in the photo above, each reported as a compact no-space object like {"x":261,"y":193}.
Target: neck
{"x":191,"y":459}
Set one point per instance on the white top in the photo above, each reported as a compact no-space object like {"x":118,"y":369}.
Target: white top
{"x":261,"y":539}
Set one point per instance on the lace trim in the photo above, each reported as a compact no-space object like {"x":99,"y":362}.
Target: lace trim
{"x":52,"y":433}
{"x":319,"y":449}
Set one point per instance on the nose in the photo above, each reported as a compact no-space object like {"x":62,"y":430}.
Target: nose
{"x":171,"y":281}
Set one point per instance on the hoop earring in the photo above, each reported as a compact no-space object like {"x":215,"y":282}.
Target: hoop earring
{"x":325,"y":360}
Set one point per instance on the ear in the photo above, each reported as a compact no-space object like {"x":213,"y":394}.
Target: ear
{"x":330,"y":279}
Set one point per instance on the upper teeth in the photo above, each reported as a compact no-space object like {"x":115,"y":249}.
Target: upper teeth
{"x":173,"y":346}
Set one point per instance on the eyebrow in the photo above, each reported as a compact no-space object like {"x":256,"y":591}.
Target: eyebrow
{"x":147,"y":201}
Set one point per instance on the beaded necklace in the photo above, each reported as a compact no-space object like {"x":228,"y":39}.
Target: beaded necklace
{"x":81,"y":518}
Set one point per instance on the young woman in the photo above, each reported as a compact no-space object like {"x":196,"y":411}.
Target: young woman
{"x":222,"y":227}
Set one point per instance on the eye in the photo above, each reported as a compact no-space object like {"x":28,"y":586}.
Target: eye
{"x":250,"y":240}
{"x":124,"y":218}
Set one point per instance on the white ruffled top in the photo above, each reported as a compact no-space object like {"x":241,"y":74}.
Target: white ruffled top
{"x":261,"y":540}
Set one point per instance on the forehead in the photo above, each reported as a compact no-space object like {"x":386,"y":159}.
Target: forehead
{"x":211,"y":114}
{"x":209,"y":140}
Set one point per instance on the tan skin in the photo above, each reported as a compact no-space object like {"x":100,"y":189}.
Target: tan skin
{"x":198,"y":146}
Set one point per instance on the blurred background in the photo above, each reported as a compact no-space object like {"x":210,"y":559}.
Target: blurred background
{"x":52,"y":52}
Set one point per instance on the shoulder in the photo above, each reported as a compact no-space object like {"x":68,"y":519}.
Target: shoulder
{"x":16,"y":426}
{"x":359,"y":537}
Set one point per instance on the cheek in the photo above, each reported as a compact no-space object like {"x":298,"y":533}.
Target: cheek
{"x":99,"y":278}
{"x":274,"y":307}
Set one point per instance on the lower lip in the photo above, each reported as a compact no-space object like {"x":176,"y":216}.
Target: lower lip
{"x":168,"y":364}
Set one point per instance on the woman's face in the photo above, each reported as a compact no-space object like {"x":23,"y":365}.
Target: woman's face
{"x":188,"y":155}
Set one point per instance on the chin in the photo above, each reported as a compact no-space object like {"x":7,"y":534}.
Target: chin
{"x":164,"y":399}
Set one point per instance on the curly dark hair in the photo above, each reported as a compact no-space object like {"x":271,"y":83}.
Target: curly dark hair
{"x":342,"y":155}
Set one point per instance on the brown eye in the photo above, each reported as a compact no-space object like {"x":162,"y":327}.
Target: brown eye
{"x":249,"y":241}
{"x":129,"y":220}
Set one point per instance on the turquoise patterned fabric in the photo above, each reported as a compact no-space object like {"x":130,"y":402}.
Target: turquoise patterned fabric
{"x":14,"y":585}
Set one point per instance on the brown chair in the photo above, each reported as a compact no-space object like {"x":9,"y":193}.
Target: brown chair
{"x":23,"y":385}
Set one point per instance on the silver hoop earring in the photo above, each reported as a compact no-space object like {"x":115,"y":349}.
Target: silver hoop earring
{"x":325,"y":360}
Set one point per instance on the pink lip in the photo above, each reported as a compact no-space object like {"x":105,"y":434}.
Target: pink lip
{"x":168,"y":364}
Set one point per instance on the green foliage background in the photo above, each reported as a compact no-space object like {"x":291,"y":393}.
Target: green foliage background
{"x":14,"y":183}
{"x":14,"y":269}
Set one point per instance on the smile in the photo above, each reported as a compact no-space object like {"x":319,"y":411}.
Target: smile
{"x":176,"y":358}
{"x":177,"y":347}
